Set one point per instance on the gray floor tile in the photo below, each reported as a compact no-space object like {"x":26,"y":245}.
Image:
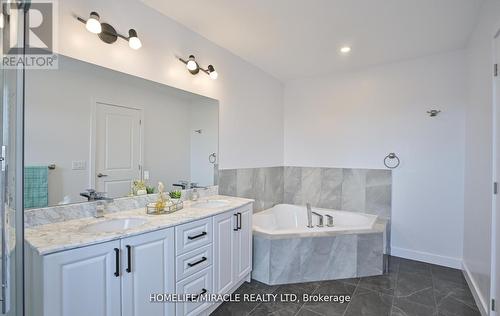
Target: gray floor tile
{"x":451,"y":307}
{"x":448,"y":274}
{"x":412,"y":282}
{"x":369,"y":303}
{"x":305,"y":312}
{"x":383,"y":283}
{"x":276,"y":309}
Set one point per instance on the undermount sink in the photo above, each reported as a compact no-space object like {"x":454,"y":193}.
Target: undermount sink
{"x":112,"y":225}
{"x":211,"y":204}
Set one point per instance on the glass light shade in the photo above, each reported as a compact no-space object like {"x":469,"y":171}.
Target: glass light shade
{"x":93,"y":25}
{"x":134,"y":43}
{"x":214,"y":75}
{"x":191,"y":65}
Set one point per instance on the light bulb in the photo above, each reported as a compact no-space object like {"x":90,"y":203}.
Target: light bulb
{"x":2,"y":21}
{"x":191,"y":64}
{"x":93,"y":25}
{"x":212,"y":73}
{"x":133,"y":41}
{"x":345,"y":50}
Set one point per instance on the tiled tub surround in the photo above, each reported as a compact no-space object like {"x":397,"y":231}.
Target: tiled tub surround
{"x":359,"y":190}
{"x":292,"y":253}
{"x":61,"y":213}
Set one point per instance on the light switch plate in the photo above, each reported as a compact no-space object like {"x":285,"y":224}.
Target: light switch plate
{"x":78,"y":165}
{"x":146,"y":175}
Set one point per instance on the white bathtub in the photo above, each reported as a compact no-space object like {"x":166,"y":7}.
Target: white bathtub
{"x":285,"y":250}
{"x":287,"y":219}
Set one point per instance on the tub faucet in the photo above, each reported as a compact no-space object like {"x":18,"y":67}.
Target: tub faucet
{"x":329,"y":220}
{"x":320,"y":217}
{"x":309,"y":215}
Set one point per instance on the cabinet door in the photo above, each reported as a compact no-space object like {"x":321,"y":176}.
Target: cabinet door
{"x":243,"y":243}
{"x":224,"y":234}
{"x":148,"y":268}
{"x":82,"y":281}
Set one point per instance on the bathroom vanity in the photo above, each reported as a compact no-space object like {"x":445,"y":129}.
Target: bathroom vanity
{"x":116,"y":265}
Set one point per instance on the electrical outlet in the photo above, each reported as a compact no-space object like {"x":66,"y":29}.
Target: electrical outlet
{"x":78,"y":165}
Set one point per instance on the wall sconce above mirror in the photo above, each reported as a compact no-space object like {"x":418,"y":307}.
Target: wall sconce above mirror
{"x":107,"y":33}
{"x":194,"y":68}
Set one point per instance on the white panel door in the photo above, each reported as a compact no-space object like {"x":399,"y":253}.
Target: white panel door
{"x":148,"y":267}
{"x":118,"y":148}
{"x":224,"y":234}
{"x":83,"y":282}
{"x":243,"y":242}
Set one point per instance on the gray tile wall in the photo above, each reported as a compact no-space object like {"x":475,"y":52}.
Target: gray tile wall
{"x":361,"y":190}
{"x":264,"y":185}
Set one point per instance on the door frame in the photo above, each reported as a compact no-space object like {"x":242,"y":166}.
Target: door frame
{"x":495,"y":202}
{"x":93,"y":136}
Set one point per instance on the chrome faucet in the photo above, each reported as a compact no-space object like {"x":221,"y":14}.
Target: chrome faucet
{"x":309,"y":215}
{"x":101,"y":206}
{"x":320,"y":217}
{"x":329,"y":220}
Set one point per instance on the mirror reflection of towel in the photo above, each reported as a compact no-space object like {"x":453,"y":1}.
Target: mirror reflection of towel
{"x":36,"y":186}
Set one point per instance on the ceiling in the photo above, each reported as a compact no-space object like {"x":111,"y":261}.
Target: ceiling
{"x":299,"y":38}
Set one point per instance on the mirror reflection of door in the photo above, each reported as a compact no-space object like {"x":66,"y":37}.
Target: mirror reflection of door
{"x":118,"y":149}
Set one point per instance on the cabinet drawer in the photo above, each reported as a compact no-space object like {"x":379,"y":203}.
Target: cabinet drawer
{"x":193,"y":235}
{"x":193,"y":261}
{"x":198,"y":283}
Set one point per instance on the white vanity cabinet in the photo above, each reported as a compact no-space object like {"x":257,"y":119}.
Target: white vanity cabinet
{"x":211,"y":255}
{"x":114,"y":278}
{"x":232,"y":248}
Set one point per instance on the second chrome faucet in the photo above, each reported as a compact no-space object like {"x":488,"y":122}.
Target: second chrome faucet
{"x":310,"y":214}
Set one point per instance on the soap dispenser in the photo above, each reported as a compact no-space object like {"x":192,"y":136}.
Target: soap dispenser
{"x":195,"y":195}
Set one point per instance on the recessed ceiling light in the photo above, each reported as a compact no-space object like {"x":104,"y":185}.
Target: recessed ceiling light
{"x":345,"y":50}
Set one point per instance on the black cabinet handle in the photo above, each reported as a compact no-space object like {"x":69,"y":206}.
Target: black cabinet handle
{"x":236,"y":229}
{"x":195,"y":297}
{"x":203,"y":259}
{"x":117,"y":262}
{"x":129,"y":259}
{"x":197,"y":236}
{"x":239,"y":220}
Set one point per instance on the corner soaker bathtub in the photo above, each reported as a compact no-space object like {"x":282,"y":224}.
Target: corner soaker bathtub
{"x":285,"y":250}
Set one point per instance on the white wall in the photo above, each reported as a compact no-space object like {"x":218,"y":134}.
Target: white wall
{"x":354,"y":119}
{"x":251,"y":102}
{"x":58,"y":124}
{"x":478,"y":154}
{"x":204,"y":116}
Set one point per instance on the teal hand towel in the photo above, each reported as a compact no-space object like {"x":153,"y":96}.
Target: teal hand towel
{"x":36,"y":186}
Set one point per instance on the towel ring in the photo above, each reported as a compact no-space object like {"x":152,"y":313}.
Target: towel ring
{"x":212,"y":158}
{"x":390,"y":157}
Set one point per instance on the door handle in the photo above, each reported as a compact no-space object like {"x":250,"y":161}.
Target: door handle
{"x":239,"y":220}
{"x":197,"y":236}
{"x":203,"y":259}
{"x":236,"y":222}
{"x":117,"y":262}
{"x":129,"y":259}
{"x":100,"y":175}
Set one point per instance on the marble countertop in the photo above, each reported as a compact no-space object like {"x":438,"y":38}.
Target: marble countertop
{"x":51,"y":238}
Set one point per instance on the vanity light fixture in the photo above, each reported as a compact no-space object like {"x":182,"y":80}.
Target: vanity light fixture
{"x":194,"y":68}
{"x":107,"y":33}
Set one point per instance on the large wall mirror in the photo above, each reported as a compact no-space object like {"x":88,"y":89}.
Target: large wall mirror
{"x":105,"y":130}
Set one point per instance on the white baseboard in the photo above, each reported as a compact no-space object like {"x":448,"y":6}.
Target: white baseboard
{"x":481,"y":301}
{"x":427,"y":257}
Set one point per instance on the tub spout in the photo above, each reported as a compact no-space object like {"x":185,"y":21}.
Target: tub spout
{"x":309,"y":215}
